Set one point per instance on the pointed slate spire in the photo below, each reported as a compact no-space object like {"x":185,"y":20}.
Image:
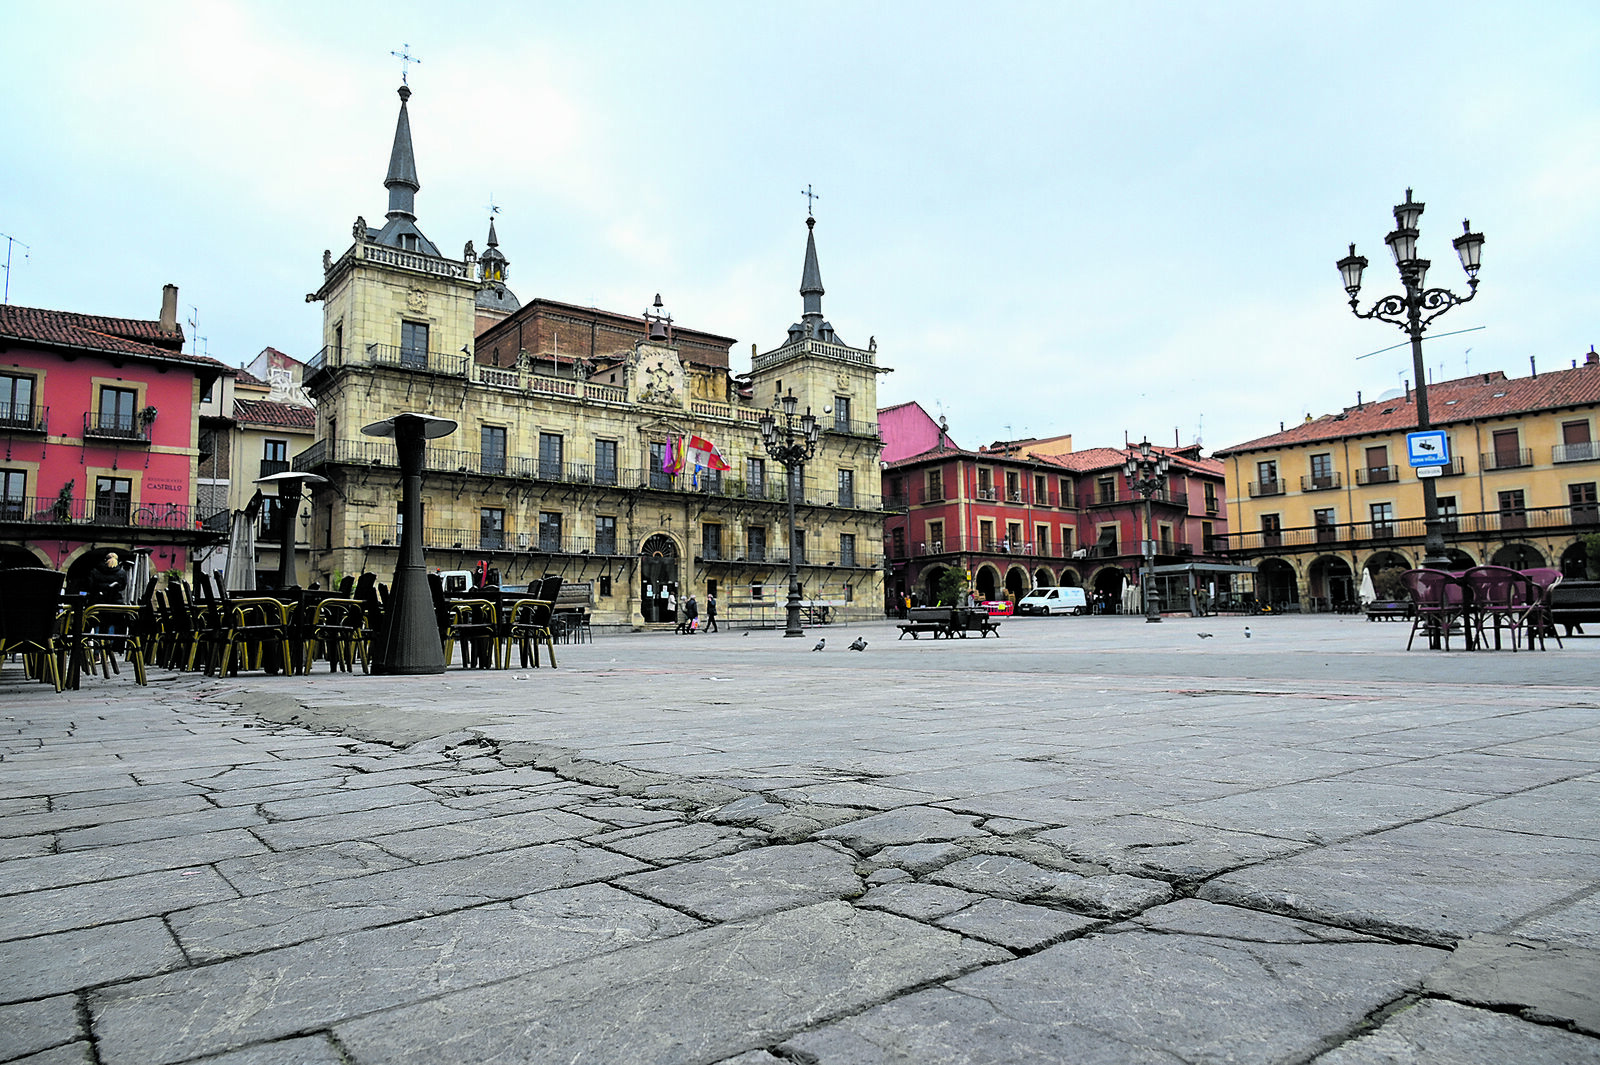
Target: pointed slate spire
{"x":494,"y":261}
{"x":811,"y":276}
{"x":402,"y":180}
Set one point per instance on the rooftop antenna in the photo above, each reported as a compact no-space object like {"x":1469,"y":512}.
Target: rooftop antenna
{"x":406,"y":59}
{"x":194,"y":330}
{"x":1436,"y":336}
{"x":10,"y":240}
{"x":810,"y":196}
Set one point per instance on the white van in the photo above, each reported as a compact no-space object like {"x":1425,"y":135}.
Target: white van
{"x":1053,"y":601}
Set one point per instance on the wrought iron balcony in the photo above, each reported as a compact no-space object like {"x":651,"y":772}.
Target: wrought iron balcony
{"x":1587,"y":451}
{"x":1378,"y":475}
{"x":1320,"y":483}
{"x":1507,"y":459}
{"x":113,"y":425}
{"x":23,"y":418}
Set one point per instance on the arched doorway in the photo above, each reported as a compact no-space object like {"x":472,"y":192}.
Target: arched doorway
{"x":1016,"y":583}
{"x":1108,"y":590}
{"x":1575,"y":562}
{"x":658,"y":578}
{"x":1387,"y":560}
{"x":932,"y":577}
{"x":1043,"y":578}
{"x":13,"y":556}
{"x":1276,"y":585}
{"x":1332,"y":584}
{"x":1071,"y":579}
{"x":1518,"y":556}
{"x":985,"y":582}
{"x":1458,"y":559}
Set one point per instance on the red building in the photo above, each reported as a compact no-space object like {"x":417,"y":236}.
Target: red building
{"x":99,"y":423}
{"x":1022,"y":514}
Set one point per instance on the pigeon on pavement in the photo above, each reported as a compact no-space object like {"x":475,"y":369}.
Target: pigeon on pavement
{"x":820,"y":644}
{"x":1247,"y":632}
{"x":859,"y":645}
{"x":1204,"y":635}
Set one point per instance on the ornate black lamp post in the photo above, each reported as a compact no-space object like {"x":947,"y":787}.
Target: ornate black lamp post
{"x":1147,"y":475}
{"x":411,"y":635}
{"x":791,"y":450}
{"x":1412,"y":312}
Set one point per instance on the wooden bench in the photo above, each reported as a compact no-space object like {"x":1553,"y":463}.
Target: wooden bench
{"x":1574,"y":603}
{"x":948,"y":622}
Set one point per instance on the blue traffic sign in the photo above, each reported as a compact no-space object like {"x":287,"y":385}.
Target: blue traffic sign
{"x":1428,"y":448}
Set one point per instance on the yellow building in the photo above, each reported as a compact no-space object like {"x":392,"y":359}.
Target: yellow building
{"x":568,"y":421}
{"x":1315,"y":504}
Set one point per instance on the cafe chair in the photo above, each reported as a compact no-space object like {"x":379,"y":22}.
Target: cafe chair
{"x":338,"y":629}
{"x":1540,"y":623}
{"x":1439,"y":604}
{"x":473,"y":624}
{"x":532,"y":623}
{"x":31,"y":621}
{"x":1499,"y":600}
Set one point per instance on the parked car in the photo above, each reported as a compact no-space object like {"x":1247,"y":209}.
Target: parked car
{"x":1053,"y":601}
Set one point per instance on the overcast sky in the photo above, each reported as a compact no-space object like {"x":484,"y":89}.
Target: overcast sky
{"x":1101,"y":219}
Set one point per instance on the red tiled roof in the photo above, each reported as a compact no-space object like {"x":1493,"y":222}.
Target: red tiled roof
{"x":278,"y":415}
{"x":1085,"y":461}
{"x":1490,"y":395}
{"x":129,"y":337}
{"x":249,"y":380}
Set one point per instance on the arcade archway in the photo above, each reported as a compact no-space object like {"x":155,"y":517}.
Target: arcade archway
{"x":1331,"y":583}
{"x":1276,"y":585}
{"x":1518,"y":556}
{"x":658,"y":579}
{"x":1108,"y":584}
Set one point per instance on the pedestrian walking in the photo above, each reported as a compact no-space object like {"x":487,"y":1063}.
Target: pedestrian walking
{"x":711,"y":613}
{"x":691,"y":615}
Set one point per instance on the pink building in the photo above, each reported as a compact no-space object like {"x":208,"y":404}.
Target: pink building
{"x":99,"y":424}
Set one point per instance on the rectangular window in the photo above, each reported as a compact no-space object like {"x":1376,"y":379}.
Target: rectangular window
{"x":605,"y":535}
{"x":1506,"y":453}
{"x":1267,"y":475}
{"x":1067,"y":494}
{"x":755,"y":542}
{"x":1211,"y":498}
{"x":16,"y":401}
{"x":1447,"y":513}
{"x":1585,"y":509}
{"x":1068,"y":540}
{"x":549,"y":531}
{"x":1013,"y":540}
{"x":659,"y":478}
{"x":605,"y":586}
{"x":414,"y":345}
{"x":758,"y":591}
{"x":273,"y":515}
{"x":847,"y":488}
{"x":841,"y":413}
{"x":14,"y":494}
{"x":1164,"y":531}
{"x":1013,"y":486}
{"x":1377,"y":469}
{"x":605,"y":462}
{"x":550,"y":457}
{"x":1325,"y":521}
{"x":1575,"y":444}
{"x":897,"y":542}
{"x":986,"y":535}
{"x":491,"y":529}
{"x":799,"y":545}
{"x":1205,"y":538}
{"x":847,"y":549}
{"x":274,"y":457}
{"x":711,"y":541}
{"x":1272,"y":530}
{"x":493,"y":441}
{"x":755,"y":481}
{"x":1106,"y":544}
{"x":113,"y":500}
{"x":1322,"y":470}
{"x":1041,"y":490}
{"x":935,"y":486}
{"x":985,"y":484}
{"x":1513,"y":510}
{"x":117,"y":410}
{"x":1382,"y":515}
{"x":935,"y":541}
{"x":1105,"y":490}
{"x":1041,"y":539}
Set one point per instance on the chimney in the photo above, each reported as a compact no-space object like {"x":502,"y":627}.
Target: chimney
{"x":1408,"y":390}
{"x":1591,"y":359}
{"x":1358,"y":400}
{"x":169,"y":308}
{"x":1533,"y":366}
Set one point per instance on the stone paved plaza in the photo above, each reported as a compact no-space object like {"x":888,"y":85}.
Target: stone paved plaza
{"x":1091,"y":840}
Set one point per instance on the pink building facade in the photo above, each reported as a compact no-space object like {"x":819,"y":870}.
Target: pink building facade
{"x":99,"y":430}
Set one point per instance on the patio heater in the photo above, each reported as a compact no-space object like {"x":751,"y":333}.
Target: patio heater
{"x":411,"y":642}
{"x":290,"y":484}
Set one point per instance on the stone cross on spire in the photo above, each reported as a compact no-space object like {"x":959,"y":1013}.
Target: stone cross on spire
{"x":810,"y":196}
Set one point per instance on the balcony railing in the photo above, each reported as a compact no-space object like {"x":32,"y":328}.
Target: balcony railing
{"x":272,"y":466}
{"x":1587,"y":451}
{"x":479,"y":541}
{"x":1485,"y":524}
{"x":1321,"y":483}
{"x":980,"y":545}
{"x":1266,"y":488}
{"x":985,"y":495}
{"x":1378,"y":475}
{"x":1164,"y":495}
{"x":111,"y":425}
{"x":23,"y":418}
{"x":52,"y":510}
{"x":1507,"y":459}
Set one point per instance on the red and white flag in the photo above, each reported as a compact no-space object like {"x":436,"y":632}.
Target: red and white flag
{"x":704,"y":453}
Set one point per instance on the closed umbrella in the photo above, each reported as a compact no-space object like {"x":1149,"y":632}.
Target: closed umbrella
{"x":240,"y":575}
{"x":1369,"y":594}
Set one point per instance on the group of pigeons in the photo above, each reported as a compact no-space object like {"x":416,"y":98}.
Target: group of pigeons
{"x":860,"y":644}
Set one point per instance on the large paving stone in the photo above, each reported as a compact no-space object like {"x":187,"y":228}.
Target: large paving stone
{"x":344,"y":800}
{"x":1576,"y":924}
{"x":131,"y":808}
{"x":281,"y":918}
{"x":679,"y":843}
{"x":28,"y":1027}
{"x":920,"y":902}
{"x":698,"y":997}
{"x":908,"y":824}
{"x":1558,"y":985}
{"x":1321,"y":811}
{"x":361,"y":824}
{"x":1565,"y":809}
{"x":1159,"y":846}
{"x":172,"y":826}
{"x":1479,"y":772}
{"x":106,"y":901}
{"x":1447,"y":1033}
{"x":1113,"y":895}
{"x":87,"y":866}
{"x":1135,"y":997}
{"x":1433,"y":882}
{"x":313,"y":1050}
{"x":67,"y":961}
{"x":1015,"y":925}
{"x":752,"y":882}
{"x":258,"y":874}
{"x":483,"y":834}
{"x":301,"y":988}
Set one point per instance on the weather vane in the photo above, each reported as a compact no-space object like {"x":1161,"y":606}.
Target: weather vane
{"x":406,"y":59}
{"x":494,"y":208}
{"x":810,"y":196}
